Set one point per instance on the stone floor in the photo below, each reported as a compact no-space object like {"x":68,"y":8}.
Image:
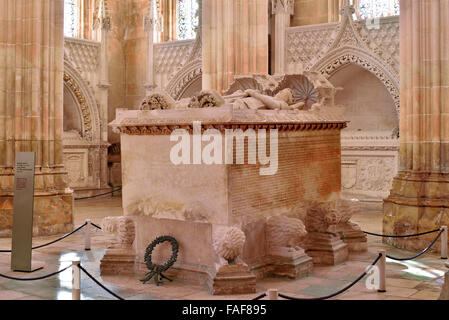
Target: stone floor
{"x":418,"y":279}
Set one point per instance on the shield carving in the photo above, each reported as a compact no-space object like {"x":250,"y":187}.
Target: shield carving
{"x":348,"y":175}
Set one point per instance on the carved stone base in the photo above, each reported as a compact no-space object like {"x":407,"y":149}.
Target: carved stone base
{"x":52,"y":215}
{"x":326,"y":248}
{"x":353,"y":237}
{"x":118,"y":261}
{"x":289,"y":262}
{"x":232,"y":279}
{"x":418,"y":202}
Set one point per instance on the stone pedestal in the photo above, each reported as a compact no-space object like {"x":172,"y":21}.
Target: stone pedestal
{"x":326,"y":248}
{"x":293,"y":263}
{"x":353,"y":236}
{"x":232,"y":279}
{"x":118,"y":261}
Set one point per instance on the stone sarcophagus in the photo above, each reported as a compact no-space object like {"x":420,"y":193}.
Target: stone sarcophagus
{"x":228,"y":178}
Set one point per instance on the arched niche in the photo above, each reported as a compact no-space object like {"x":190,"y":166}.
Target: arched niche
{"x":84,"y":154}
{"x":72,"y":120}
{"x":369,"y":106}
{"x":370,"y":143}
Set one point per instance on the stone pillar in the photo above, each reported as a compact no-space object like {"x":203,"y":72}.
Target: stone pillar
{"x":135,"y":48}
{"x":282,"y":10}
{"x":103,"y":95}
{"x":419,"y":199}
{"x":149,"y":30}
{"x":235,"y":40}
{"x":31,"y":109}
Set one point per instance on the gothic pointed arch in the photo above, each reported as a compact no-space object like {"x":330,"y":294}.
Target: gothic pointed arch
{"x":85,"y":102}
{"x":335,"y":60}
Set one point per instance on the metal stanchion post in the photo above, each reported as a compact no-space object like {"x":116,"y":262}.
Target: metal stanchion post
{"x":87,"y":235}
{"x":444,"y":243}
{"x":382,"y":271}
{"x":76,"y":280}
{"x":272,"y":294}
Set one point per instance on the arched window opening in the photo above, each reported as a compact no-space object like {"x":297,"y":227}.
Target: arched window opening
{"x":186,"y":19}
{"x":369,"y":9}
{"x":71,"y":18}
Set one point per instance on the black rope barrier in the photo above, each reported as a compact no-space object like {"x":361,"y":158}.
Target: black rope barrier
{"x":340,"y":291}
{"x":263,"y":295}
{"x":96,"y":226}
{"x":419,"y":254}
{"x":36,"y":278}
{"x":400,"y":236}
{"x":98,"y":283}
{"x":99,"y":195}
{"x":59,"y":239}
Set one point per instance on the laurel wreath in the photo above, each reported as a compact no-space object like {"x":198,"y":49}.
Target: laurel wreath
{"x":156,"y":270}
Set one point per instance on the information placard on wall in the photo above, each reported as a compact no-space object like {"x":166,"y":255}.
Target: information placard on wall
{"x":22,"y":226}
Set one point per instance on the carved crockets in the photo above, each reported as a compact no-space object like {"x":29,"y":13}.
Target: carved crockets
{"x":123,"y":228}
{"x":228,"y":243}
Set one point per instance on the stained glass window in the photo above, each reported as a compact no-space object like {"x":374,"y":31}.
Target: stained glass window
{"x":186,"y":19}
{"x":71,"y":18}
{"x":378,"y":8}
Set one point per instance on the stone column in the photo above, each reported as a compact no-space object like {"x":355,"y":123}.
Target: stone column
{"x":103,"y":94}
{"x":31,"y":109}
{"x":419,"y":199}
{"x":149,"y":30}
{"x":282,"y":10}
{"x":235,"y":40}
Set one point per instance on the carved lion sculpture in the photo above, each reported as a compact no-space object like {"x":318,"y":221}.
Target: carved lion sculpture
{"x":122,"y":227}
{"x":207,"y":99}
{"x":322,"y":215}
{"x":282,"y":231}
{"x":158,"y":101}
{"x":228,"y":243}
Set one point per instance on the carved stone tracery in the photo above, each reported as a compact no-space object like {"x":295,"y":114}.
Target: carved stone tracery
{"x":327,"y":48}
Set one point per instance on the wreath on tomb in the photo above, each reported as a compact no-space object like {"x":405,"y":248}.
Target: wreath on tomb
{"x":156,"y":270}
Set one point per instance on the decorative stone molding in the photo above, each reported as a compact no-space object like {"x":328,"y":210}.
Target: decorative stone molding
{"x":86,"y":103}
{"x":329,"y":65}
{"x":169,"y":57}
{"x":122,"y":227}
{"x":369,"y":164}
{"x":281,"y":6}
{"x":84,"y":55}
{"x":168,"y":129}
{"x":188,"y":74}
